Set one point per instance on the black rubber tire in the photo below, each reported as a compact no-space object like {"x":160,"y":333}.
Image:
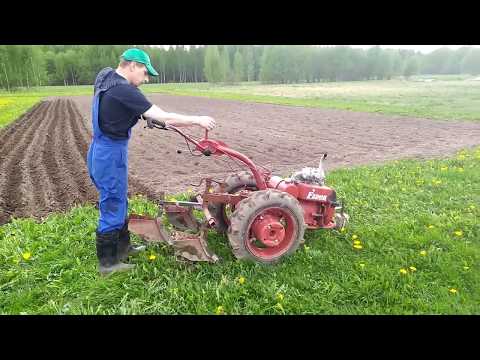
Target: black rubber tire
{"x":234,"y":183}
{"x":248,"y":209}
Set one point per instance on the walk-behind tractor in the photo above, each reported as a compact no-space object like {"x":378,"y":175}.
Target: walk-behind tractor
{"x":264,"y":216}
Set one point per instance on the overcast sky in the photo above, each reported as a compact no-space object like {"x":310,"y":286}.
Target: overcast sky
{"x":422,"y":48}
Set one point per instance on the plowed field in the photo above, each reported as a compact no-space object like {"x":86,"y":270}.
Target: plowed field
{"x":43,"y":154}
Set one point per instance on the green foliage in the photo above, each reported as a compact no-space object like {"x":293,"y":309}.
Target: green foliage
{"x":226,"y":69}
{"x":38,"y":65}
{"x":12,"y":107}
{"x":471,"y":62}
{"x":270,"y":70}
{"x":411,"y":67}
{"x":213,"y":65}
{"x":239,"y":67}
{"x":436,"y":62}
{"x":414,"y":224}
{"x":250,"y":62}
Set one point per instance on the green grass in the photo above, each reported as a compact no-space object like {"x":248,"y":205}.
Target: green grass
{"x":43,"y":91}
{"x":398,"y":211}
{"x":14,"y":104}
{"x":443,"y":99}
{"x":12,"y":107}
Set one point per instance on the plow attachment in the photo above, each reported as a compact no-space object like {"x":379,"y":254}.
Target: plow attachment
{"x":182,"y":218}
{"x":190,"y":246}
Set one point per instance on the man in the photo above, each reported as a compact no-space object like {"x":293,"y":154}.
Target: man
{"x":117,"y":106}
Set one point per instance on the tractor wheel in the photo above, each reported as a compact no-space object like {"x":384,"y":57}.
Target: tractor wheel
{"x":266,"y":226}
{"x":233,"y":184}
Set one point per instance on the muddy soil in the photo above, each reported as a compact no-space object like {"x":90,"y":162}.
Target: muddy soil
{"x":43,"y":154}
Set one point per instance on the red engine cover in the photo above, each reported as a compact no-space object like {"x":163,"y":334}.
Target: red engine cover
{"x":276,"y":182}
{"x":315,"y":200}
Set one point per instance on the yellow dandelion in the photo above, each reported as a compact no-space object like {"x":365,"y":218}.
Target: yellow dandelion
{"x":413,"y":268}
{"x":444,"y":168}
{"x":362,"y":265}
{"x":453,"y":290}
{"x":219,"y":310}
{"x":358,"y":246}
{"x":458,"y":233}
{"x":279,"y":306}
{"x":27,"y":255}
{"x":354,"y":237}
{"x":403,"y":271}
{"x":423,"y":253}
{"x":342,"y":229}
{"x":241,"y":280}
{"x":430,"y":226}
{"x":279,"y":297}
{"x":152,"y":257}
{"x":357,"y":242}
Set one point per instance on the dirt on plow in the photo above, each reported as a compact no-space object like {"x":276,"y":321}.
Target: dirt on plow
{"x":43,"y":154}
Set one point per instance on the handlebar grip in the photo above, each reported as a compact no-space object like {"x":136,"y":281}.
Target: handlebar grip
{"x":157,"y":122}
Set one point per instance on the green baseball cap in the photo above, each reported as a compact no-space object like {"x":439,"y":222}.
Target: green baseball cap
{"x":140,"y":56}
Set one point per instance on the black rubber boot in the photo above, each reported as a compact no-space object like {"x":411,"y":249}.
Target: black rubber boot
{"x":125,"y":248}
{"x":107,"y":253}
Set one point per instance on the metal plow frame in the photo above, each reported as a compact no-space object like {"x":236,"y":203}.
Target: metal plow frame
{"x":190,"y":246}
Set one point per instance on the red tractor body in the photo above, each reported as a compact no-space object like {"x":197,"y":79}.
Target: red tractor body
{"x":318,"y":202}
{"x":264,"y":215}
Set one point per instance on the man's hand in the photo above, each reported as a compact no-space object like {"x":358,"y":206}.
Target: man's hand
{"x":206,"y":122}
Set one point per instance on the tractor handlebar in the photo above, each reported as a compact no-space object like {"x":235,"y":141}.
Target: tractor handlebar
{"x":159,"y":123}
{"x":152,"y":123}
{"x":208,"y":147}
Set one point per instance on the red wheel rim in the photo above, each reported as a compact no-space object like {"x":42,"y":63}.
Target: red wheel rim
{"x":278,"y":240}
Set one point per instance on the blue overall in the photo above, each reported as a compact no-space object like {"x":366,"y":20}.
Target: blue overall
{"x":107,"y":162}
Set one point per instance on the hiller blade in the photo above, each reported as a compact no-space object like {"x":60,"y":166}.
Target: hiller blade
{"x":189,"y":246}
{"x":148,"y":228}
{"x":182,"y":218}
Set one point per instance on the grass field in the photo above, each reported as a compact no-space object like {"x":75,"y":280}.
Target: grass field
{"x":445,"y":98}
{"x":413,"y":247}
{"x":14,"y":104}
{"x":12,"y":107}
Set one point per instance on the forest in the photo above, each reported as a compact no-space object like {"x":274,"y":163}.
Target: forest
{"x":44,"y":65}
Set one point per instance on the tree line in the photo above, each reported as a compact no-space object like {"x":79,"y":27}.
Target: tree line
{"x":41,"y":65}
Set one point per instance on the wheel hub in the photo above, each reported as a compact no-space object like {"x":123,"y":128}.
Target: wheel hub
{"x":269,"y":230}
